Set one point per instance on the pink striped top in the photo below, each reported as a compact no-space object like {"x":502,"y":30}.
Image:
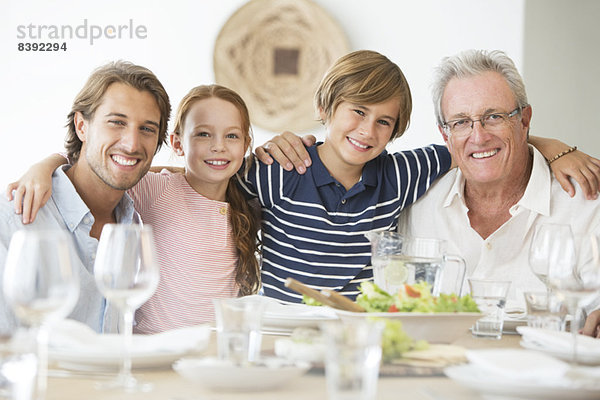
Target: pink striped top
{"x":195,"y":251}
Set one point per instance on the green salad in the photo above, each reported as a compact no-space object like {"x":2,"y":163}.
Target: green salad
{"x":412,"y":298}
{"x":395,"y":341}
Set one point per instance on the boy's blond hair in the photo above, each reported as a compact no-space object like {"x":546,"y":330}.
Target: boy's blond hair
{"x":365,"y":77}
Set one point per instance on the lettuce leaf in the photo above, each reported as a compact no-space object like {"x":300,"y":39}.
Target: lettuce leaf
{"x":373,"y":299}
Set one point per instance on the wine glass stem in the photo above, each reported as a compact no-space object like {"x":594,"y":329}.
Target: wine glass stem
{"x":41,"y":336}
{"x":574,"y":328}
{"x":127,"y":341}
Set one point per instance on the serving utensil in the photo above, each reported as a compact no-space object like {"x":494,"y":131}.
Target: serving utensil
{"x":342,"y":302}
{"x":327,"y":297}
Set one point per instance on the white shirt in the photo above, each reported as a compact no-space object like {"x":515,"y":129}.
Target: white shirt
{"x":442,"y":214}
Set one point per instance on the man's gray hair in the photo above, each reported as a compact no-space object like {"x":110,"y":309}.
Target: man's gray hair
{"x":471,"y":63}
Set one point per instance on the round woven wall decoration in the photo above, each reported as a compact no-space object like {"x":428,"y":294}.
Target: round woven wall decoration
{"x":274,"y":54}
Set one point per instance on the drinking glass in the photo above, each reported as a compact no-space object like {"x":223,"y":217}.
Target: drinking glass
{"x":126,"y":273}
{"x":545,"y":310}
{"x":490,"y":297}
{"x":385,"y":245}
{"x":426,"y":260}
{"x":238,"y":322}
{"x":352,"y":358}
{"x":41,"y":285}
{"x":552,"y":244}
{"x":577,"y":281}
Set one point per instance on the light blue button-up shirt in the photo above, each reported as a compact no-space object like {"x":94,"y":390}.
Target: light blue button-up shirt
{"x":66,"y":210}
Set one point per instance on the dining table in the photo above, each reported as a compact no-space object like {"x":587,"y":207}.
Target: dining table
{"x":169,"y":385}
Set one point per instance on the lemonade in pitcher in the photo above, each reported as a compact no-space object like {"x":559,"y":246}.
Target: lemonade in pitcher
{"x":391,"y":272}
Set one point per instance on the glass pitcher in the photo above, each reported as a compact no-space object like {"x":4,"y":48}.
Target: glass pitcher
{"x":397,"y":260}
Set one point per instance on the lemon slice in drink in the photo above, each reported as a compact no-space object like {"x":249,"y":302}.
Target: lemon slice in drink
{"x":395,"y":272}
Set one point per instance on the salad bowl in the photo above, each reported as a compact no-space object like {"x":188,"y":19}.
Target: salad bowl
{"x":433,"y":327}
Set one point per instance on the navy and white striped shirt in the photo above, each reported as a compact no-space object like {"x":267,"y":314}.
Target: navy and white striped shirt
{"x":313,"y":229}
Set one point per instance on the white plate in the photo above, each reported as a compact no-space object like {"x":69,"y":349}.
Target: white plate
{"x":287,"y":323}
{"x":221,"y":375}
{"x":86,"y":350}
{"x":285,"y":317}
{"x":435,"y":328}
{"x":560,"y":344}
{"x":566,"y":355}
{"x":88,"y":361}
{"x":484,"y":382}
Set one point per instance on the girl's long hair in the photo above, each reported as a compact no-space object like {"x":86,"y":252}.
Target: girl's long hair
{"x":243,"y":218}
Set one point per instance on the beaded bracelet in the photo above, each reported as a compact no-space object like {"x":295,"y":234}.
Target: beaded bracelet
{"x":562,"y":153}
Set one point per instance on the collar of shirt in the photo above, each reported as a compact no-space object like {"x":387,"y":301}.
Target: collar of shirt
{"x":538,"y":192}
{"x":323,"y":177}
{"x":74,"y":211}
{"x":456,"y":191}
{"x":531,"y":200}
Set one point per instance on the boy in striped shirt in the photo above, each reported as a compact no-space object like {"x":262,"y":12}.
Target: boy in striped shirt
{"x":314,"y":224}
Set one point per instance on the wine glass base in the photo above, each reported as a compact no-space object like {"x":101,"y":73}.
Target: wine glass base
{"x":125,"y":383}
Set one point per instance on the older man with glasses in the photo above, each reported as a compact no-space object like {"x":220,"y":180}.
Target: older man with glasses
{"x":487,"y":209}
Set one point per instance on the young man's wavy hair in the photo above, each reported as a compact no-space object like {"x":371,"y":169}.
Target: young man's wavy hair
{"x":90,"y":97}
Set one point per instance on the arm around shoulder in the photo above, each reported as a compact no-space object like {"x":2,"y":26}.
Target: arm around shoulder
{"x":567,"y":162}
{"x":34,"y":188}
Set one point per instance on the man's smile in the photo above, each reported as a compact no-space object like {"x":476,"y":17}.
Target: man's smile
{"x":485,"y":154}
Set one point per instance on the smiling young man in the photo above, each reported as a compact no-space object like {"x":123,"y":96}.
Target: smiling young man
{"x":117,"y":123}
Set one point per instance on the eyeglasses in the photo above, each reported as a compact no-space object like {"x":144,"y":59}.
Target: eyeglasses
{"x":491,"y":122}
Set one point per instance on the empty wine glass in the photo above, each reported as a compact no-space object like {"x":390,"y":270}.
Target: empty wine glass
{"x":580,"y":282}
{"x":552,"y":245}
{"x":126,"y":273}
{"x":41,"y":285}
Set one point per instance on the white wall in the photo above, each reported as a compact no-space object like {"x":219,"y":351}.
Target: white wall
{"x":38,"y":88}
{"x":561,"y":68}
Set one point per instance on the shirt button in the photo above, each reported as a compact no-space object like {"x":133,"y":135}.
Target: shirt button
{"x":488,"y":245}
{"x":343,"y":201}
{"x":223,"y":210}
{"x":86,"y":220}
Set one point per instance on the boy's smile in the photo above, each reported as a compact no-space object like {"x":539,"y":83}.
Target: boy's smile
{"x":356,"y":134}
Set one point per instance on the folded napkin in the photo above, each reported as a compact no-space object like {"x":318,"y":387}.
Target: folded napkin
{"x":300,"y":351}
{"x":518,"y":364}
{"x":304,"y":344}
{"x":73,"y":336}
{"x":559,"y":341}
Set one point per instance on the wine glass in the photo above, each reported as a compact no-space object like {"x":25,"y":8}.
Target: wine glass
{"x":41,"y":285}
{"x":126,"y":273}
{"x":552,"y":244}
{"x":579,"y":282}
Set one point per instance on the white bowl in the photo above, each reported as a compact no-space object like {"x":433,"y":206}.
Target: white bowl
{"x":433,"y":327}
